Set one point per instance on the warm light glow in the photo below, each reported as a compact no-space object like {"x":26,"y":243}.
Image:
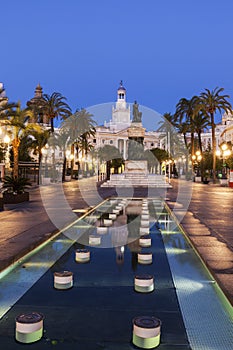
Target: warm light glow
{"x":6,"y":139}
{"x":218,"y":153}
{"x":224,"y":147}
{"x":44,"y":150}
{"x":226,"y":153}
{"x":198,"y":153}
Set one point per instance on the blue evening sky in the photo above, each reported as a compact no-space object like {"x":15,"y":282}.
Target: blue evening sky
{"x":162,"y":50}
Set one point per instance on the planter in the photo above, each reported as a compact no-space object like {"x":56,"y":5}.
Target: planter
{"x":223,"y":182}
{"x":10,"y":198}
{"x":68,"y":178}
{"x":197,"y":178}
{"x":206,"y":182}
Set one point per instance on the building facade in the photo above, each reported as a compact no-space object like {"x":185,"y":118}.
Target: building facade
{"x":115,"y":131}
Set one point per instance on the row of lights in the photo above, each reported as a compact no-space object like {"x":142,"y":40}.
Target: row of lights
{"x":146,"y":329}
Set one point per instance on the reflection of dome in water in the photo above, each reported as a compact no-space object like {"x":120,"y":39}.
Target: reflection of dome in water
{"x":119,"y":235}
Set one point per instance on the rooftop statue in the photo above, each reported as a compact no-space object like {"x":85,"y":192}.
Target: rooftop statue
{"x":137,"y":116}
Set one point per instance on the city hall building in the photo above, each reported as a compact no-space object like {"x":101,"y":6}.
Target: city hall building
{"x":115,"y":131}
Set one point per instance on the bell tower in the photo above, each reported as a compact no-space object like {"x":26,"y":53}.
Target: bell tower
{"x":121,"y":111}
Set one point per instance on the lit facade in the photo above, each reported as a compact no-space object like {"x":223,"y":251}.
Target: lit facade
{"x":115,"y":132}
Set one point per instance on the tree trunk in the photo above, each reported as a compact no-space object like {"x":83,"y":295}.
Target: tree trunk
{"x":15,"y":145}
{"x":72,"y":160}
{"x":185,"y":140}
{"x":64,"y":169}
{"x":108,"y":169}
{"x":192,"y":150}
{"x":52,"y":124}
{"x":213,"y":146}
{"x":199,"y":141}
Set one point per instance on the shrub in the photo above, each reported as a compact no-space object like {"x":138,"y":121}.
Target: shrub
{"x":16,"y":184}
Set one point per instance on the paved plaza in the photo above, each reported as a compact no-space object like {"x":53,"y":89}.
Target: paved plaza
{"x":205,"y":213}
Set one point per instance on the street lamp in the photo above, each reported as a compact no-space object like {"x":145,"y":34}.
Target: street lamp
{"x":196,"y":159}
{"x":223,"y":153}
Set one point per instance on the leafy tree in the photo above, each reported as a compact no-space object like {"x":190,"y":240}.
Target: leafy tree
{"x":112,"y":156}
{"x":168,"y":129}
{"x":210,"y":102}
{"x":55,"y":106}
{"x":24,"y":149}
{"x":185,"y":113}
{"x":200,"y":122}
{"x":17,"y":121}
{"x":80,"y":126}
{"x":38,"y":140}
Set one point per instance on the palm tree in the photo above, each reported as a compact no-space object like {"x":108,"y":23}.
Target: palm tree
{"x":81,"y":126}
{"x":200,"y":122}
{"x":209,"y":103}
{"x":18,"y":125}
{"x":63,"y":141}
{"x":185,"y":113}
{"x":79,"y":123}
{"x":5,"y":106}
{"x":39,"y":139}
{"x":54,"y":106}
{"x":167,"y":128}
{"x":183,"y":129}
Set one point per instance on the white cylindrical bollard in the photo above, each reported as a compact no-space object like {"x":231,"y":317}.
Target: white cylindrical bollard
{"x":116,"y":211}
{"x":145,"y":223}
{"x":145,"y":241}
{"x":63,"y":280}
{"x":144,"y":230}
{"x":29,"y":327}
{"x":145,"y":217}
{"x":101,"y":230}
{"x":121,"y":205}
{"x":145,"y":206}
{"x":107,"y":222}
{"x":145,"y":258}
{"x":118,"y":207}
{"x":144,"y":283}
{"x":94,"y":240}
{"x":82,"y":255}
{"x":146,"y":332}
{"x":112,"y":216}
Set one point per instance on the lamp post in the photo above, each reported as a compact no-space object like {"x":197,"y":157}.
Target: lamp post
{"x":196,"y":160}
{"x":224,"y":152}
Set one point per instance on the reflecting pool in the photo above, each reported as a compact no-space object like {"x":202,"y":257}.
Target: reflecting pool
{"x":97,"y":312}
